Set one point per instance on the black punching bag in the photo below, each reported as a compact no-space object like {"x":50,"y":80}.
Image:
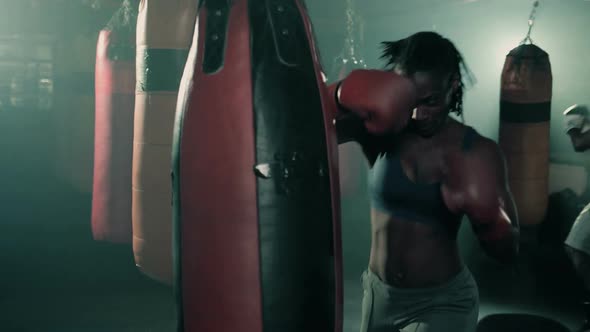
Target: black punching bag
{"x":255,"y":175}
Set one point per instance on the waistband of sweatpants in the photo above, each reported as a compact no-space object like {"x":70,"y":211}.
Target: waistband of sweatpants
{"x":460,"y":279}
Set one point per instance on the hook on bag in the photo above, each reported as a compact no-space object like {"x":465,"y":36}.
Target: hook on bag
{"x":531,"y":23}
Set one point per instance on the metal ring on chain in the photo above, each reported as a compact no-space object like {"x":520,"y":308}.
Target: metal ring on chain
{"x":531,"y":22}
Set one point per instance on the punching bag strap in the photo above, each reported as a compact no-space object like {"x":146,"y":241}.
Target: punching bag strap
{"x":215,"y":34}
{"x":284,"y":19}
{"x":531,"y":23}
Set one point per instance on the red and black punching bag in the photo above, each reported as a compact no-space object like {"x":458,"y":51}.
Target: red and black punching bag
{"x":164,"y":33}
{"x":113,"y":131}
{"x":255,"y":175}
{"x":525,"y":112}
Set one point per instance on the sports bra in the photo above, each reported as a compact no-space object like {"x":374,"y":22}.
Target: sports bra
{"x":393,"y":192}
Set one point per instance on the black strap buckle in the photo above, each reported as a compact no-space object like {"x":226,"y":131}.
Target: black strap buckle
{"x":216,"y":34}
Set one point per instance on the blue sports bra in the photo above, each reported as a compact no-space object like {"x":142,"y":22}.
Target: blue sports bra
{"x":393,"y":192}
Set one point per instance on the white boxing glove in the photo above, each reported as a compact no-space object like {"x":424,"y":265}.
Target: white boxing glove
{"x":576,"y":117}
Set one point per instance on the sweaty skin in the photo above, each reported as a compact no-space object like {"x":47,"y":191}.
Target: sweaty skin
{"x":405,"y":253}
{"x":410,"y":254}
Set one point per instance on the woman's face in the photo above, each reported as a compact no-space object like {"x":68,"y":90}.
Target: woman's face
{"x":435,"y":94}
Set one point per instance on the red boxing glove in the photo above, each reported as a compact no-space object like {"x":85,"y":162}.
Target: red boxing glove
{"x":383,"y":100}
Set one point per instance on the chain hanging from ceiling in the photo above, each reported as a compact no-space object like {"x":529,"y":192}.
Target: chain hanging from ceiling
{"x":350,"y":57}
{"x":531,"y":23}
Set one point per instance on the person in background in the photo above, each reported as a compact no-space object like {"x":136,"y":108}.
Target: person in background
{"x":577,"y":243}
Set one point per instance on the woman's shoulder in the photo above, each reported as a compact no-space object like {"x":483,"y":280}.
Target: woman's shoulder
{"x":480,"y":152}
{"x":473,"y":141}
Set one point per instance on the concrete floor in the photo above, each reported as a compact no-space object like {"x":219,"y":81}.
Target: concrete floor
{"x":149,"y":307}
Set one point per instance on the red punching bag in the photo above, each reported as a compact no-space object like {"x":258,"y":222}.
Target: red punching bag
{"x":525,"y":112}
{"x":255,"y":175}
{"x":113,"y":132}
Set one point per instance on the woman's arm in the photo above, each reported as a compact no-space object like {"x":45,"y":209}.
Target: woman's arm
{"x":476,"y":184}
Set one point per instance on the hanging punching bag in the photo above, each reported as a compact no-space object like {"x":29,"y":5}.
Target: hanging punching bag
{"x":525,"y":111}
{"x":255,"y":175}
{"x":164,"y":33}
{"x":113,"y":131}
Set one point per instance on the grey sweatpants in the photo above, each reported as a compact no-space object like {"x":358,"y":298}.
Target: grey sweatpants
{"x":577,"y":245}
{"x":453,"y":306}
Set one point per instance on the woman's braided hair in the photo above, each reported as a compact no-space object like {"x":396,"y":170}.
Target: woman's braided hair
{"x":429,"y":52}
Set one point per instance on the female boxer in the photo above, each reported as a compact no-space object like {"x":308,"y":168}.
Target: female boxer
{"x":427,"y":171}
